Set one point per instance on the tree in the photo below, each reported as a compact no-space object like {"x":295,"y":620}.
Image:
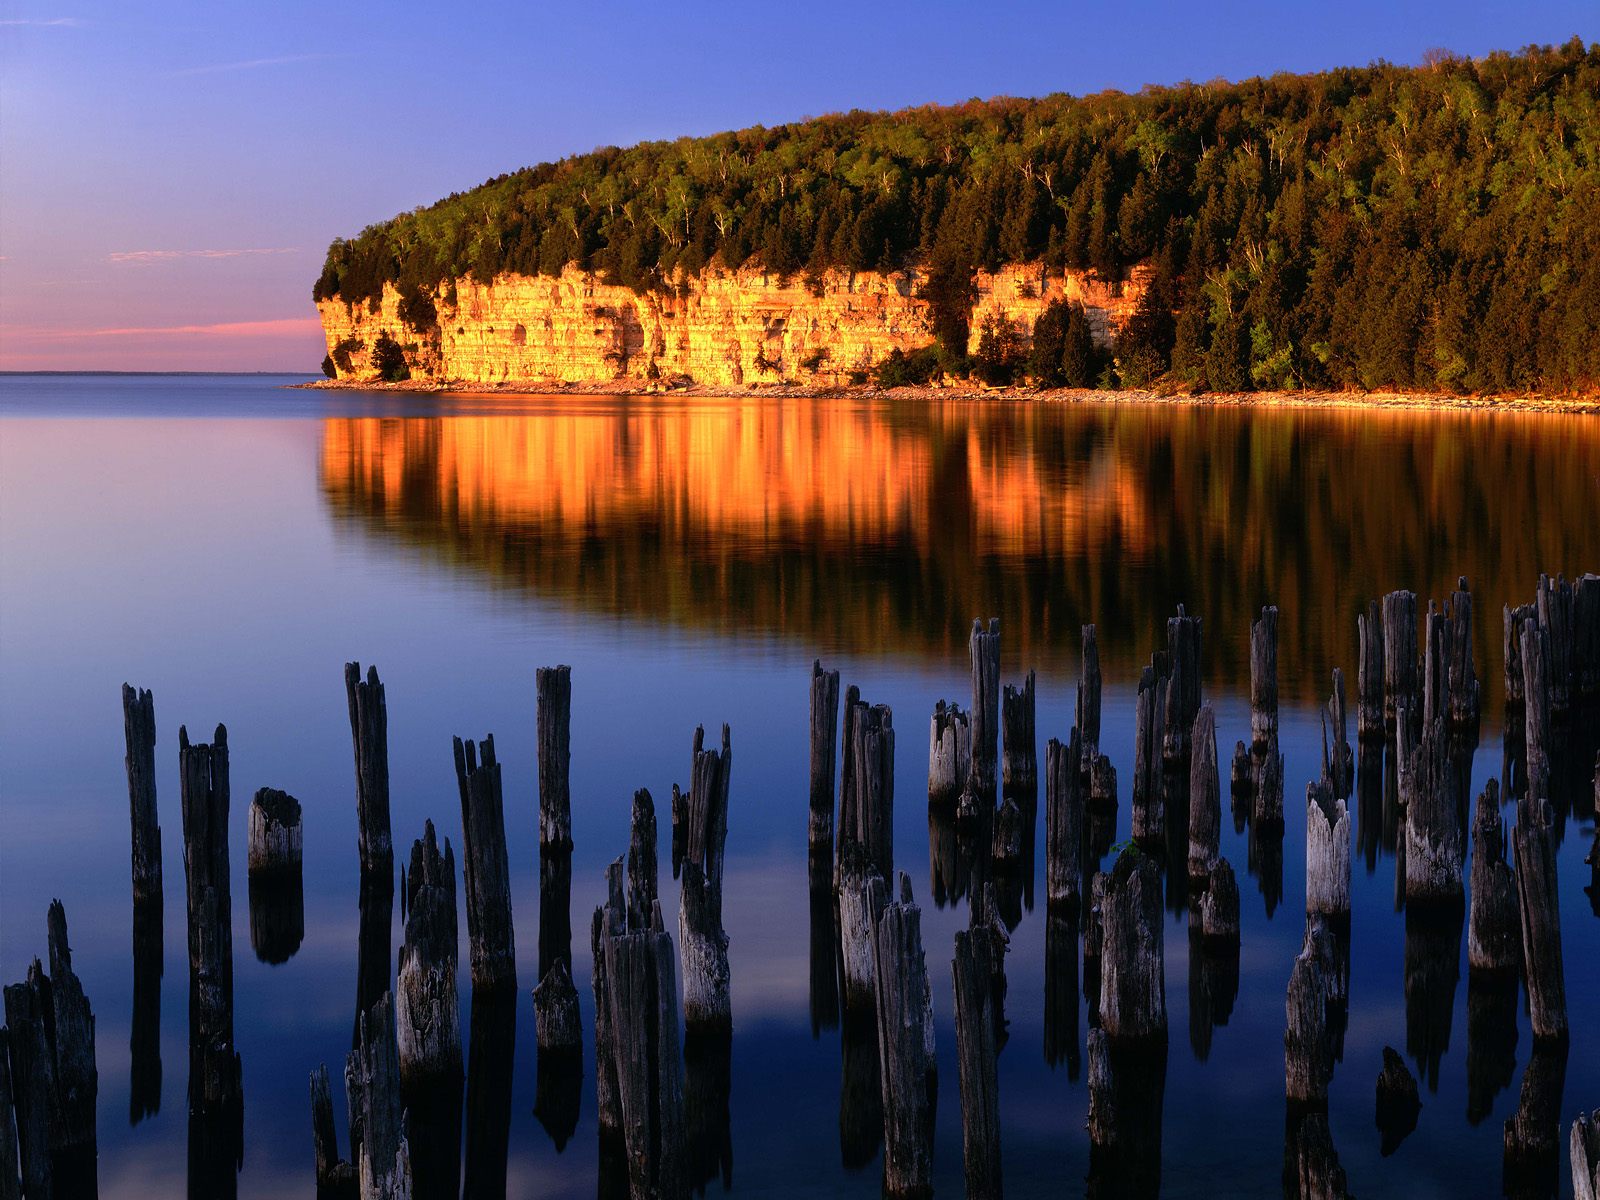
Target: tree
{"x":999,"y":351}
{"x":389,"y":360}
{"x":1081,"y":360}
{"x":1049,"y":346}
{"x":328,"y":369}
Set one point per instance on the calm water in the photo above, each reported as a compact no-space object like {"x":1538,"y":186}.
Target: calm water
{"x":230,"y":545}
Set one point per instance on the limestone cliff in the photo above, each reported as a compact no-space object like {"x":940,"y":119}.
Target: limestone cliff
{"x":725,"y":328}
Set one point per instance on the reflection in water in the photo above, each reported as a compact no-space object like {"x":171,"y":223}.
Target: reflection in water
{"x":373,"y":976}
{"x":860,"y":1090}
{"x":489,"y":1068}
{"x":1049,"y":516}
{"x":1213,"y":986}
{"x":1127,"y":1087}
{"x":1491,"y":1039}
{"x":707,"y":1082}
{"x":1531,"y":1167}
{"x":144,"y":1081}
{"x":277,"y":916}
{"x":824,"y":989}
{"x":1061,"y":996}
{"x":555,"y":907}
{"x":1433,"y":969}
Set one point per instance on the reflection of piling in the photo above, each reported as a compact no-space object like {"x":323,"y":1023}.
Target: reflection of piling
{"x":1127,"y":1082}
{"x":703,"y":941}
{"x":336,"y":1178}
{"x":139,"y":733}
{"x":975,"y":1055}
{"x":559,"y":1075}
{"x":144,"y":1077}
{"x":905,"y":1036}
{"x":1061,"y":995}
{"x":1492,"y":1004}
{"x":1432,"y":973}
{"x":491,"y":1055}
{"x":707,"y":1089}
{"x":1531,"y":1156}
{"x":1308,"y":1038}
{"x":484,"y":867}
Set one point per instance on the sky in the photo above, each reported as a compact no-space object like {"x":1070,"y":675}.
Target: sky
{"x":171,"y":174}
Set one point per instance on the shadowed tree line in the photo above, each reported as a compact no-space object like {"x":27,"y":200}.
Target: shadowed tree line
{"x":1432,"y":227}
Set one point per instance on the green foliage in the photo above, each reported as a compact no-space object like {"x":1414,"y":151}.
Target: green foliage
{"x":813,"y":361}
{"x":417,"y":309}
{"x":907,"y":370}
{"x":1428,"y":227}
{"x":1000,"y":351}
{"x":1081,"y":360}
{"x":389,"y":359}
{"x":342,"y":351}
{"x":328,"y":369}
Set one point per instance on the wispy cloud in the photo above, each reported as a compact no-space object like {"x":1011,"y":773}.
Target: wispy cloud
{"x":250,"y":64}
{"x":279,"y":327}
{"x":145,"y":257}
{"x":45,"y":22}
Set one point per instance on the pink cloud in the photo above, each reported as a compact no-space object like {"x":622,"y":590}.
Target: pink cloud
{"x":145,"y":257}
{"x":279,"y":327}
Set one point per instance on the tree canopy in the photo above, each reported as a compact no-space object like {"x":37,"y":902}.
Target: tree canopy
{"x":1432,"y":227}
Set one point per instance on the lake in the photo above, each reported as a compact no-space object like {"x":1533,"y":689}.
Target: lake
{"x":230,"y":544}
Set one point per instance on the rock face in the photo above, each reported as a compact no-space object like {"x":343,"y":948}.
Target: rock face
{"x":724,"y":328}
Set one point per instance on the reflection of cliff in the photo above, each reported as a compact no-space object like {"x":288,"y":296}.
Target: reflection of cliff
{"x":868,"y":526}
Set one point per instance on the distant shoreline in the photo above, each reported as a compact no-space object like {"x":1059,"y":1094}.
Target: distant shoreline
{"x":1418,"y":401}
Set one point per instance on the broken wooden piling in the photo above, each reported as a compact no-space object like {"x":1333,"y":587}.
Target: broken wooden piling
{"x":427,"y":1008}
{"x":872,"y":761}
{"x":1369,"y":675}
{"x":1133,"y":993}
{"x":1400,"y":683}
{"x":1538,"y":898}
{"x":558,"y":1030}
{"x":336,"y":1178}
{"x":904,"y":1039}
{"x":1341,"y":758}
{"x":275,"y":843}
{"x":1264,"y":680}
{"x":863,"y":893}
{"x":703,"y":941}
{"x":949,"y":757}
{"x":485,"y":868}
{"x":984,"y":646}
{"x":975,"y":1056}
{"x":1219,"y":909}
{"x":1183,"y":689}
{"x":1063,"y":816}
{"x":1585,"y":1151}
{"x":824,"y":748}
{"x":1435,"y":843}
{"x":1205,"y":798}
{"x":553,"y":732}
{"x":1266,"y":817}
{"x":1020,"y":762}
{"x":33,"y":1078}
{"x":1149,"y":792}
{"x":1462,"y":676}
{"x":1538,"y":705}
{"x":1327,"y":851}
{"x":372,"y":1087}
{"x":1087,"y":717}
{"x":144,"y":1039}
{"x":1494,"y":928}
{"x":369,"y":734}
{"x":139,"y":733}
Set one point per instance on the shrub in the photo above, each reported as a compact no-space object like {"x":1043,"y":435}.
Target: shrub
{"x":1000,"y":352}
{"x":343,"y":350}
{"x":907,"y":370}
{"x":328,"y":369}
{"x":389,"y":360}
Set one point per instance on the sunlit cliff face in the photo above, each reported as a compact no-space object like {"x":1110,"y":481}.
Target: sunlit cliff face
{"x":871,"y":527}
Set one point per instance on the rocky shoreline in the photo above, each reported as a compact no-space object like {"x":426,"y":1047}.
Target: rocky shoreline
{"x":1421,"y":401}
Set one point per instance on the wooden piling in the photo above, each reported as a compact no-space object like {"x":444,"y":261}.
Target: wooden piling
{"x":704,"y":943}
{"x":1555,"y":605}
{"x":1308,"y":1037}
{"x":1006,"y":843}
{"x":10,"y":1181}
{"x":1133,"y":992}
{"x":369,"y":735}
{"x":1327,"y":851}
{"x":33,"y":1078}
{"x":427,"y":1007}
{"x":1149,"y":799}
{"x":1435,"y":843}
{"x":984,"y":645}
{"x":608,"y":1104}
{"x":73,"y":1141}
{"x":872,"y":760}
{"x":642,"y":870}
{"x":1020,"y":765}
{"x":1183,"y":689}
{"x":555,"y":908}
{"x":204,"y":795}
{"x":824,"y":748}
{"x":1465,"y":690}
{"x":1494,"y":929}
{"x":1205,"y":798}
{"x":558,"y":1078}
{"x":275,"y":843}
{"x":1538,"y":898}
{"x":1586,"y":639}
{"x":1538,"y":705}
{"x":1400,"y":684}
{"x":139,"y":734}
{"x":1219,"y":909}
{"x":863,"y":893}
{"x":1369,"y":675}
{"x":485,"y":867}
{"x":1063,"y":816}
{"x":336,"y":1178}
{"x":949,"y":757}
{"x":1264,"y":680}
{"x":1266,"y":816}
{"x":1341,"y":759}
{"x":849,"y":818}
{"x":1585,"y":1150}
{"x":553,"y":732}
{"x":372,"y":1086}
{"x":975,"y":1055}
{"x":904,"y":1034}
{"x":1087,"y":718}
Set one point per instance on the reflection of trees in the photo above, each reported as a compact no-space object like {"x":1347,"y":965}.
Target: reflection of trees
{"x":872,"y":526}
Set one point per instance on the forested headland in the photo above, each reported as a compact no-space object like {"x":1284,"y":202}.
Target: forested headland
{"x":1428,"y":228}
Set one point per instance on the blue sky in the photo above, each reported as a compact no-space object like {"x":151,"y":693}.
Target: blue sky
{"x":171,"y":174}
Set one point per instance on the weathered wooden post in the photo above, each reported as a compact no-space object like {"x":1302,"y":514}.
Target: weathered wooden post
{"x":1205,"y":798}
{"x":485,"y":867}
{"x":975,"y":1054}
{"x":1538,"y":703}
{"x":1585,"y":1148}
{"x":215,"y":1093}
{"x":1369,"y":675}
{"x":1127,"y":1083}
{"x":33,"y":1078}
{"x":849,"y":818}
{"x":139,"y":733}
{"x":553,"y":729}
{"x":1434,"y":841}
{"x":824,"y":746}
{"x":369,"y":738}
{"x":643,"y":874}
{"x":1327,"y":851}
{"x":1341,"y":759}
{"x":1183,"y":689}
{"x":863,"y":893}
{"x":1020,"y":764}
{"x":1264,"y":680}
{"x":1555,"y":605}
{"x":1266,"y":818}
{"x":1219,"y":910}
{"x":1533,"y":839}
{"x":274,"y":850}
{"x":275,"y":844}
{"x":1007,"y":840}
{"x":10,"y":1181}
{"x":706,"y":1004}
{"x":1149,"y":796}
{"x":427,"y":1008}
{"x":1133,"y":991}
{"x":1063,"y":816}
{"x":1308,"y":1039}
{"x":1087,"y":718}
{"x":608,"y":1104}
{"x":984,"y":645}
{"x":1463,"y":677}
{"x":372,"y":1087}
{"x":949,"y":757}
{"x":872,"y":759}
{"x":70,"y":1025}
{"x":144,"y":1075}
{"x":904,"y":1037}
{"x":1494,"y":931}
{"x":1400,"y":689}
